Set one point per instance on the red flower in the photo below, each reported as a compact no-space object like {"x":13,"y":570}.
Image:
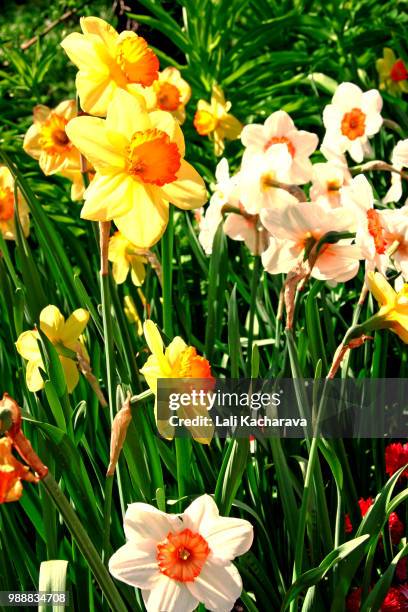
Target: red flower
{"x":401,"y":570}
{"x":396,"y":456}
{"x":396,"y":528}
{"x":353,"y":600}
{"x":396,"y":599}
{"x":364,"y":505}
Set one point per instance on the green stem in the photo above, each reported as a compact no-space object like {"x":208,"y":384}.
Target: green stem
{"x":85,"y":545}
{"x":167,"y":266}
{"x":107,"y":509}
{"x":252,"y":309}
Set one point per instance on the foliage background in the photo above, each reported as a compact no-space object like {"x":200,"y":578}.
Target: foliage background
{"x":267,"y":55}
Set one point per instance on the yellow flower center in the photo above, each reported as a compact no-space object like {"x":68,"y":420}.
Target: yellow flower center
{"x":152,"y":158}
{"x":333,"y":185}
{"x":353,"y":124}
{"x":182,"y":555}
{"x":6,"y":204}
{"x":136,"y":60}
{"x":267,"y":181}
{"x":168,"y":96}
{"x":53,"y":138}
{"x":205,"y":122}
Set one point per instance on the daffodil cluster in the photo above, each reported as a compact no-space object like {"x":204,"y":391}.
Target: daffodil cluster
{"x":282,"y":205}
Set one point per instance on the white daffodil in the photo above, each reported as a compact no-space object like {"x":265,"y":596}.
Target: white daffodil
{"x":351,"y":119}
{"x":182,"y":560}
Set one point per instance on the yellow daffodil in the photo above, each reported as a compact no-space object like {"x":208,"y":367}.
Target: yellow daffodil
{"x":393,"y":313}
{"x":176,"y":361}
{"x":138,"y":158}
{"x":47,"y":139}
{"x":392,"y":72}
{"x":124,"y":255}
{"x":108,"y":61}
{"x":12,"y":472}
{"x":63,"y":335}
{"x":131,"y":313}
{"x":172,"y":93}
{"x":214,"y":120}
{"x":7,"y":206}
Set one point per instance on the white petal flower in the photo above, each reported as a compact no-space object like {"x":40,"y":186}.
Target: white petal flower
{"x":351,"y":119}
{"x":327,"y":181}
{"x":295,"y":226}
{"x":181,"y":560}
{"x":399,"y":159}
{"x":280,"y":129}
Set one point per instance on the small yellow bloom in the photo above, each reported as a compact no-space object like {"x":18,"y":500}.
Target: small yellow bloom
{"x":392,"y":72}
{"x":172,"y":93}
{"x":7,"y":224}
{"x":63,"y":335}
{"x":393,"y":313}
{"x":131,"y":313}
{"x":124,"y":255}
{"x":138,"y":158}
{"x":47,"y":139}
{"x":108,"y":61}
{"x":12,"y":472}
{"x":214,"y":120}
{"x":177,"y":361}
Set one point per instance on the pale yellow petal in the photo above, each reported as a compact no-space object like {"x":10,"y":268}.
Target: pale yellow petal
{"x":71,"y":373}
{"x":144,"y":223}
{"x":380,"y":288}
{"x":89,"y":135}
{"x":188,"y":191}
{"x":127,"y":114}
{"x":102,"y":29}
{"x":138,"y":271}
{"x":67,"y":109}
{"x":31,"y":144}
{"x":153,"y":338}
{"x":34,"y":379}
{"x":51,"y":322}
{"x":120,"y":270}
{"x":95,"y":91}
{"x":174,"y":350}
{"x":74,"y":326}
{"x":27,"y":345}
{"x":108,"y":196}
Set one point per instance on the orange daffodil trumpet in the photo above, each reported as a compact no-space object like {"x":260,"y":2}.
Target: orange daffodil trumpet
{"x":126,"y":256}
{"x":178,"y":360}
{"x":109,"y":61}
{"x":12,"y":473}
{"x":393,"y":313}
{"x":63,"y":335}
{"x":215,"y":121}
{"x":172,"y":93}
{"x":180,"y":561}
{"x":351,"y":119}
{"x":393,"y":73}
{"x":8,"y":204}
{"x":47,"y":140}
{"x":140,"y":168}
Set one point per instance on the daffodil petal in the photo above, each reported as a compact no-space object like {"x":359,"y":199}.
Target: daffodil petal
{"x":89,"y":135}
{"x":34,"y":379}
{"x":137,"y":271}
{"x":145,"y":222}
{"x":51,"y":322}
{"x":102,"y":29}
{"x":108,"y":196}
{"x":188,"y":190}
{"x":27,"y":345}
{"x":71,"y":373}
{"x":174,"y":350}
{"x":380,"y":288}
{"x":74,"y":326}
{"x":127,"y":114}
